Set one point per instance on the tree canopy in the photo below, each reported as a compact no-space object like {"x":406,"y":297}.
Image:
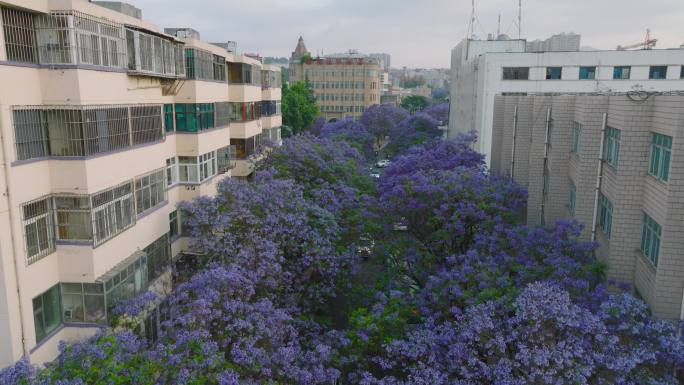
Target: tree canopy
{"x":299,"y":107}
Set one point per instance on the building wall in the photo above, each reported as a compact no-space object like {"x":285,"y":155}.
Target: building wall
{"x":629,"y":186}
{"x":477,"y":77}
{"x":25,"y":180}
{"x":329,"y":72}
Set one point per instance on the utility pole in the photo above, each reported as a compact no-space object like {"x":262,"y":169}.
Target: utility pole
{"x":519,"y":19}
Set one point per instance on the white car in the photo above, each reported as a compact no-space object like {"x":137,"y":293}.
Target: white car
{"x":375,"y":175}
{"x":383,"y":163}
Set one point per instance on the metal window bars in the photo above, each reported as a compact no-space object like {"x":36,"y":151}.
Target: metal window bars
{"x":39,"y":236}
{"x":150,"y":190}
{"x":203,"y":65}
{"x":113,"y":211}
{"x":20,"y":35}
{"x":70,"y":131}
{"x":72,"y":37}
{"x":149,"y":54}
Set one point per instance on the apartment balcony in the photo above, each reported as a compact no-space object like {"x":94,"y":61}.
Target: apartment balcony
{"x":271,"y":121}
{"x":242,"y":93}
{"x":202,"y":142}
{"x":271,"y":93}
{"x":244,"y":130}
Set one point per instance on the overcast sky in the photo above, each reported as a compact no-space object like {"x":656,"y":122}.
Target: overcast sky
{"x":417,"y":33}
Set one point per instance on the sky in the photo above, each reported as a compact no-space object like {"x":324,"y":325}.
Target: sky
{"x":417,"y":33}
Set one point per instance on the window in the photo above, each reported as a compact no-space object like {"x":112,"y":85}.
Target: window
{"x":516,"y":73}
{"x":553,"y":73}
{"x":158,"y":257}
{"x":20,"y":35}
{"x":47,"y":313}
{"x":38,"y":229}
{"x":587,"y":73}
{"x":149,"y":191}
{"x":173,"y":224}
{"x":171,"y":171}
{"x":83,"y":130}
{"x":207,"y":165}
{"x":219,"y":68}
{"x":576,"y":138}
{"x":245,"y":112}
{"x":83,"y":302}
{"x":222,"y":114}
{"x":622,"y":72}
{"x":194,"y":117}
{"x":245,"y":148}
{"x":657,"y":72}
{"x":146,"y":124}
{"x":681,"y":73}
{"x":71,"y":37}
{"x":605,"y":219}
{"x":113,"y":212}
{"x":73,"y":218}
{"x":30,"y":134}
{"x":572,"y":199}
{"x":202,"y":65}
{"x":270,"y":108}
{"x":611,"y":148}
{"x":650,"y":239}
{"x":126,"y":280}
{"x":195,"y":170}
{"x":187,"y":169}
{"x":168,"y":118}
{"x":224,"y":159}
{"x":659,"y":165}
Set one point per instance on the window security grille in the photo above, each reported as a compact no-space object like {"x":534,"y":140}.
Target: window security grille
{"x":153,"y":55}
{"x":42,"y":131}
{"x":38,"y":217}
{"x":20,"y":35}
{"x":71,"y":37}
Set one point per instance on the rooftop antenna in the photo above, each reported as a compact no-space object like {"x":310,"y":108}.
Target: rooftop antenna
{"x":471,"y":23}
{"x":498,"y":27}
{"x":519,"y":19}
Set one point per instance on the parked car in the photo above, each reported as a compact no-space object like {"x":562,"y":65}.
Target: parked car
{"x":383,"y":163}
{"x":401,"y":225}
{"x":375,"y":175}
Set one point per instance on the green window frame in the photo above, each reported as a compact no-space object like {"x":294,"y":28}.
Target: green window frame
{"x":587,"y":73}
{"x":651,"y":233}
{"x":572,"y":198}
{"x":611,"y":150}
{"x":605,"y":222}
{"x":661,"y":154}
{"x":47,"y":313}
{"x":622,"y":72}
{"x":173,"y":225}
{"x":194,"y":117}
{"x":576,"y":138}
{"x":168,"y":118}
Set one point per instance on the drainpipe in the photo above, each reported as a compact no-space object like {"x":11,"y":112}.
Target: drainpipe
{"x":24,"y":343}
{"x":546,"y":166}
{"x":599,"y":177}
{"x":515,"y":136}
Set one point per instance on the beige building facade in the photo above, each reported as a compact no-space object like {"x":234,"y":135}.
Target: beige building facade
{"x":343,"y":84}
{"x":107,"y":124}
{"x":615,"y":163}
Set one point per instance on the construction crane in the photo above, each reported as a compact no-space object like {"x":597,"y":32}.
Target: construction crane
{"x":648,"y":43}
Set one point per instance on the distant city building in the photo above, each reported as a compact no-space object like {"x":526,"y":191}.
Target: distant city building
{"x":563,"y":42}
{"x":384,"y":58}
{"x":551,"y":145}
{"x":482,"y":69}
{"x":344,"y":84}
{"x":230,"y":46}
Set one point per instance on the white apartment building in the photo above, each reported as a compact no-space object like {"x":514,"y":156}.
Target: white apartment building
{"x":482,"y":69}
{"x":106,"y":124}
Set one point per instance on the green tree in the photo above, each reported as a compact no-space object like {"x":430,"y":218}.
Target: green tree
{"x":299,"y":106}
{"x":414,"y":103}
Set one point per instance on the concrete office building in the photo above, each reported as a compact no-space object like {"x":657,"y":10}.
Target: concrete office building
{"x":632,"y":145}
{"x":562,"y":42}
{"x":482,"y":69}
{"x":107,"y":123}
{"x":343,"y":84}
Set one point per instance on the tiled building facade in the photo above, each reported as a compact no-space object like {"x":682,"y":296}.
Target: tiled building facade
{"x":344,"y":85}
{"x":107,"y":124}
{"x":629,"y":145}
